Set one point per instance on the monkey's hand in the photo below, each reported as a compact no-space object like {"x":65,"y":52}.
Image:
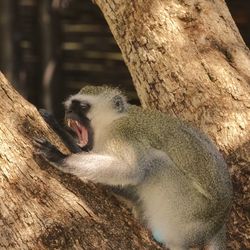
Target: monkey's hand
{"x":66,"y":137}
{"x":48,"y":151}
{"x":49,"y":118}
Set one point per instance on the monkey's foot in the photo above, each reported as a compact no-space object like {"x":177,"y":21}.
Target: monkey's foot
{"x":158,"y":237}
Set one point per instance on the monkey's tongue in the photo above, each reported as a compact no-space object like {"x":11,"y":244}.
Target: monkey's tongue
{"x":81,"y":132}
{"x":83,"y":137}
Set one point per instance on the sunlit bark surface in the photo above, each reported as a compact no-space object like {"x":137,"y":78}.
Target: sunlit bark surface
{"x":41,"y":208}
{"x":187,"y":57}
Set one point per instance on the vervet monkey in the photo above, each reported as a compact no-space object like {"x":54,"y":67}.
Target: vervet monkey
{"x":176,"y":177}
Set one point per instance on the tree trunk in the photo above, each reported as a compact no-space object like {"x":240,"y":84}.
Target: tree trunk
{"x":187,"y":57}
{"x":41,"y":208}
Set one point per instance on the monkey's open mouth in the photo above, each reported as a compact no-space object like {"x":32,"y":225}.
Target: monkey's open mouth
{"x":80,"y":131}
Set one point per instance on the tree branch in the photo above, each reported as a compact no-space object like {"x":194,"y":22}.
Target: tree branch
{"x":42,"y":208}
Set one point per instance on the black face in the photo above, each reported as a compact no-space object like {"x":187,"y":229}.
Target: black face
{"x":78,"y":122}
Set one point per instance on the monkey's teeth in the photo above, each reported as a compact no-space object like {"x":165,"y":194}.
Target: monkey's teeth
{"x":69,"y":122}
{"x":81,"y":144}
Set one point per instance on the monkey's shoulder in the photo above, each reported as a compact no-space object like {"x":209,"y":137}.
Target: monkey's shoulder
{"x":134,"y":127}
{"x":159,"y":130}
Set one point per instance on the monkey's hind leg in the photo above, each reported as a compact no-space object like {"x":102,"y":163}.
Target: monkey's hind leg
{"x":218,"y":242}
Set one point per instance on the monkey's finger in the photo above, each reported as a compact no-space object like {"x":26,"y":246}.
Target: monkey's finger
{"x":40,"y":153}
{"x":41,"y":143}
{"x":43,"y":112}
{"x":48,"y":118}
{"x":43,"y":148}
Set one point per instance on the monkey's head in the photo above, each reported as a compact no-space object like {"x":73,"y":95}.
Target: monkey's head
{"x":92,"y":110}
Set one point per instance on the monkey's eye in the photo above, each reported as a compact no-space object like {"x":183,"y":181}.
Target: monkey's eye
{"x":84,"y":106}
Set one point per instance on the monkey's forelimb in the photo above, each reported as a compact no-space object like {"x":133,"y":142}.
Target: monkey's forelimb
{"x":92,"y":166}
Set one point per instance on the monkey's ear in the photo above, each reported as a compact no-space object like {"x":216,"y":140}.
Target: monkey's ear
{"x":119,"y":103}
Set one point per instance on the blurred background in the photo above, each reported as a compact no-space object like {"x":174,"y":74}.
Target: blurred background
{"x":50,"y":53}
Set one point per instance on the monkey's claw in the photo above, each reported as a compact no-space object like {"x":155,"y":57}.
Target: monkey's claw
{"x":48,"y":118}
{"x":41,"y":143}
{"x":44,"y":113}
{"x":48,"y":150}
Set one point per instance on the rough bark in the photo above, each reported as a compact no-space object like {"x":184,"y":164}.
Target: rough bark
{"x":41,"y":208}
{"x":187,"y":57}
